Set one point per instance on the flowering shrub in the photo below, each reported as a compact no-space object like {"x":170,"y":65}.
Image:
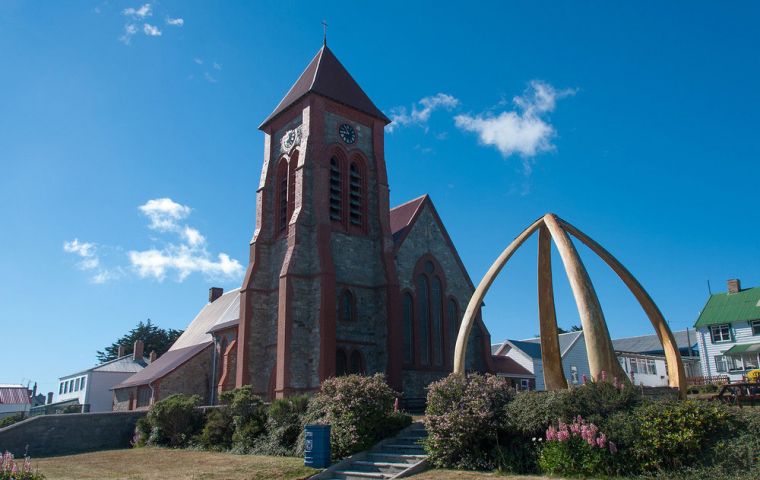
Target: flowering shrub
{"x":359,"y":410}
{"x":465,"y":417}
{"x":10,"y":470}
{"x":578,"y":448}
{"x":754,"y":376}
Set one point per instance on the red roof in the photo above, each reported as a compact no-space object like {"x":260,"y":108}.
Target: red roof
{"x":14,"y":395}
{"x":326,"y":76}
{"x":163,"y":365}
{"x":509,"y":367}
{"x":402,"y":216}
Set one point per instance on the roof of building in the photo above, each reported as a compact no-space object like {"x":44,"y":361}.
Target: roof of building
{"x":650,"y":344}
{"x":166,"y":363}
{"x":532,"y":346}
{"x":402,"y":216}
{"x":743,"y":348}
{"x":731,"y":307}
{"x":510,"y":368}
{"x":566,"y":341}
{"x":13,"y":394}
{"x":123,"y":364}
{"x":221,"y":310}
{"x":326,"y":76}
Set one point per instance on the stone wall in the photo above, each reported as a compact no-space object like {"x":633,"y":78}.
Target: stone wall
{"x":191,"y":378}
{"x":49,"y":435}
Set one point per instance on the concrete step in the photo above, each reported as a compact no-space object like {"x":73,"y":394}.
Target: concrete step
{"x":378,"y":467}
{"x":395,"y":457}
{"x":357,"y":475}
{"x":403,"y":448}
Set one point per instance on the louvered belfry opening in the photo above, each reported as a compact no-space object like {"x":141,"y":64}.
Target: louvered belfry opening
{"x":336,"y":191}
{"x":356,"y":216}
{"x":282,"y":196}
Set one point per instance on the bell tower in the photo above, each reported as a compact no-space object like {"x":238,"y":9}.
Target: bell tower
{"x":320,"y":295}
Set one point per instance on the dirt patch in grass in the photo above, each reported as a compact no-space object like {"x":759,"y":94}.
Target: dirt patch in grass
{"x":160,"y":463}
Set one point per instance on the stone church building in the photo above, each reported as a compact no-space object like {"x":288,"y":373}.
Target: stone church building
{"x":338,"y":281}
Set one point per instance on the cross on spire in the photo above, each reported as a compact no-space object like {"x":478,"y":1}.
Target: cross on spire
{"x":324,"y":34}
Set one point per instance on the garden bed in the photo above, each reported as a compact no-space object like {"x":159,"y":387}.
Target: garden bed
{"x":160,"y":463}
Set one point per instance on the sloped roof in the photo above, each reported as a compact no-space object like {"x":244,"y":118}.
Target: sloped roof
{"x":532,"y":346}
{"x":531,"y":349}
{"x":731,"y":307}
{"x":566,"y":341}
{"x":650,"y":344}
{"x":326,"y":76}
{"x":123,"y":364}
{"x":402,"y":216}
{"x":223,"y":309}
{"x":510,"y":368}
{"x":166,"y":363}
{"x":14,"y":395}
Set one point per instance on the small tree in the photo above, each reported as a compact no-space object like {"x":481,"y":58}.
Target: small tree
{"x":155,"y":339}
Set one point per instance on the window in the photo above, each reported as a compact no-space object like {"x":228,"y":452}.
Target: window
{"x":524,"y":384}
{"x":436,"y":304}
{"x":60,"y":388}
{"x":357,"y":363}
{"x":574,"y":374}
{"x":81,"y":385}
{"x":720,"y":333}
{"x":423,"y":325}
{"x":453,"y":320}
{"x":347,"y":310}
{"x":643,"y":365}
{"x":336,"y":191}
{"x":721,"y":363}
{"x":341,"y":363}
{"x":734,"y":363}
{"x":71,"y":385}
{"x":356,"y":196}
{"x":76,"y":385}
{"x":750,"y":361}
{"x":755,"y":324}
{"x":282,"y":196}
{"x":408,"y":306}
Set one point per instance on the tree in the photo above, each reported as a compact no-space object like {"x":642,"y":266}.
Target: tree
{"x":154,"y":338}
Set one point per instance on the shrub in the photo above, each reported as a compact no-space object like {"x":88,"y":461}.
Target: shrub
{"x":578,"y":448}
{"x":10,"y":420}
{"x":359,"y":410}
{"x":173,"y":421}
{"x":217,"y":431}
{"x":248,"y":415}
{"x":531,"y":413}
{"x":739,"y":450}
{"x":599,"y":399}
{"x":673,"y":435}
{"x":10,"y":470}
{"x":464,"y":418}
{"x":284,"y":425}
{"x":754,"y":376}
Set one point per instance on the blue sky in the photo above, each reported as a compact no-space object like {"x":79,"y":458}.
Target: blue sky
{"x":637,"y":123}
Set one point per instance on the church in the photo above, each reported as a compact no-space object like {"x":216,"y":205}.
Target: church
{"x":338,"y":282}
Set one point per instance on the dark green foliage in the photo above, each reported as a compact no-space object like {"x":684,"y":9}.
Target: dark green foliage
{"x":284,"y":425}
{"x":465,"y":417}
{"x":249,"y":416}
{"x":217,"y":431}
{"x":154,"y":339}
{"x":72,"y":409}
{"x":10,"y":420}
{"x":173,"y":421}
{"x":574,"y":457}
{"x":359,"y":410}
{"x":531,"y":413}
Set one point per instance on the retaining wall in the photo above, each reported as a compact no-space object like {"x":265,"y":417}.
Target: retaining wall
{"x":50,"y":435}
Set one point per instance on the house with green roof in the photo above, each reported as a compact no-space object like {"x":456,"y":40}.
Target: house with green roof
{"x":728,"y":330}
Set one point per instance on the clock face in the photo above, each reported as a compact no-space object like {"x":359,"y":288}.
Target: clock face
{"x":290,"y":139}
{"x":347,"y":133}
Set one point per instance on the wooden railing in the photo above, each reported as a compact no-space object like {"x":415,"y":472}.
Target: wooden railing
{"x":716,"y":380}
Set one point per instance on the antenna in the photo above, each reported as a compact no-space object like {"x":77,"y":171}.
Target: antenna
{"x":709,"y":290}
{"x":324,"y":34}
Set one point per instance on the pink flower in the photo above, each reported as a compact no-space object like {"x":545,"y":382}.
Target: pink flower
{"x":584,"y":378}
{"x":604,"y":376}
{"x":601,"y":441}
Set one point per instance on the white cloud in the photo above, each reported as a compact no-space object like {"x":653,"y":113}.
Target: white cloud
{"x":139,"y":12}
{"x":129,"y":31}
{"x":217,"y":66}
{"x":421,"y":111}
{"x":151,"y":30}
{"x":176,"y":22}
{"x":209,"y":78}
{"x":164,"y":213}
{"x":90,"y":260}
{"x":198,"y":61}
{"x":185,"y":260}
{"x":193,"y":237}
{"x":524,"y":131}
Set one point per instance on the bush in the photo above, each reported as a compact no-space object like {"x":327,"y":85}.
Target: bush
{"x":464,"y":418}
{"x":248,"y":415}
{"x":10,"y":420}
{"x":598,"y":400}
{"x":531,"y":413}
{"x":578,"y":448}
{"x":284,"y":425}
{"x":217,"y":431}
{"x":10,"y":470}
{"x":172,"y":421}
{"x":674,"y":435}
{"x":359,"y":410}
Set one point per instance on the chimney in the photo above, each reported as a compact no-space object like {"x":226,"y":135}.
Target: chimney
{"x":122,"y":351}
{"x":214,"y":293}
{"x":152,"y":357}
{"x":734,"y":286}
{"x":49,"y":398}
{"x":137,"y":353}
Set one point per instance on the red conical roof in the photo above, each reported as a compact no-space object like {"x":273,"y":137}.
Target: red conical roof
{"x":326,"y":76}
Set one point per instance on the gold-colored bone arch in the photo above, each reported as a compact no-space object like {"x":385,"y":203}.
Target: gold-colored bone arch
{"x":599,"y":348}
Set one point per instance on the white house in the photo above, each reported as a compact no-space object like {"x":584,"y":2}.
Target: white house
{"x":729,"y":333}
{"x":92,"y":388}
{"x":643,"y":357}
{"x":14,"y":399}
{"x":527,"y":353}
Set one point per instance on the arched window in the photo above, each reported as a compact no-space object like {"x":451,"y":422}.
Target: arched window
{"x":356,"y":195}
{"x":423,"y":321}
{"x":453,"y":321}
{"x":282,"y":196}
{"x":436,"y":314}
{"x":357,"y":363}
{"x":341,"y":363}
{"x":292,"y":164}
{"x":408,"y":306}
{"x":347,"y":311}
{"x":336,"y":190}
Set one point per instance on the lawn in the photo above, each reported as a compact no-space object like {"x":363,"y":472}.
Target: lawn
{"x":160,"y":463}
{"x":461,"y":475}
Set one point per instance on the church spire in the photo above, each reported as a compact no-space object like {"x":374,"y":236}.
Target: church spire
{"x":326,"y":76}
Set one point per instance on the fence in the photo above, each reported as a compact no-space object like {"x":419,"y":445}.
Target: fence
{"x":699,"y":381}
